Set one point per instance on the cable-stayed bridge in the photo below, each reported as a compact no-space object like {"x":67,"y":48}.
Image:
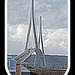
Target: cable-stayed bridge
{"x":38,"y":44}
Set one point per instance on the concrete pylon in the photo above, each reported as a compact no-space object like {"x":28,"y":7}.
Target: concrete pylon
{"x":41,"y":40}
{"x":39,"y":58}
{"x":32,"y":23}
{"x":34,"y":30}
{"x":18,"y":68}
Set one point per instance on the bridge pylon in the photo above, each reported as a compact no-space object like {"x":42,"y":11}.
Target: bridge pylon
{"x":39,"y":60}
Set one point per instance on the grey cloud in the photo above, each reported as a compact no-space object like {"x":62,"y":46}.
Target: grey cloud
{"x":55,"y":50}
{"x":54,"y":12}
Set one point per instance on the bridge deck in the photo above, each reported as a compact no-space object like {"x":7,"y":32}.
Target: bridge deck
{"x":48,"y":71}
{"x":24,"y":55}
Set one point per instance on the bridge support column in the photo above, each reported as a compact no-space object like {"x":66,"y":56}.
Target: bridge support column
{"x":18,"y":68}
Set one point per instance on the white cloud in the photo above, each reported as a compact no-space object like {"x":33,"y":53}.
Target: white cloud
{"x":18,"y":32}
{"x":53,"y":38}
{"x":57,"y":38}
{"x":62,"y":44}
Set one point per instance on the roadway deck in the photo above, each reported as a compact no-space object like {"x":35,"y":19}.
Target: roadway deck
{"x":47,"y":71}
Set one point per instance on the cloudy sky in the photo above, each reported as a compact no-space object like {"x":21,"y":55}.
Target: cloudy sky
{"x":54,"y":20}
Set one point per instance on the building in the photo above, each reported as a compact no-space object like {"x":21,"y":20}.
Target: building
{"x":12,"y":67}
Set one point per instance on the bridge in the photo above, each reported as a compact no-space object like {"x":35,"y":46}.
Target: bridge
{"x":39,"y":48}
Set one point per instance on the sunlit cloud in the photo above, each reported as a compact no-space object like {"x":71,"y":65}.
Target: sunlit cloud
{"x":18,"y":32}
{"x":57,"y":38}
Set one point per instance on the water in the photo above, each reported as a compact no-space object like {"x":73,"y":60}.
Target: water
{"x":54,"y":60}
{"x":51,"y":60}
